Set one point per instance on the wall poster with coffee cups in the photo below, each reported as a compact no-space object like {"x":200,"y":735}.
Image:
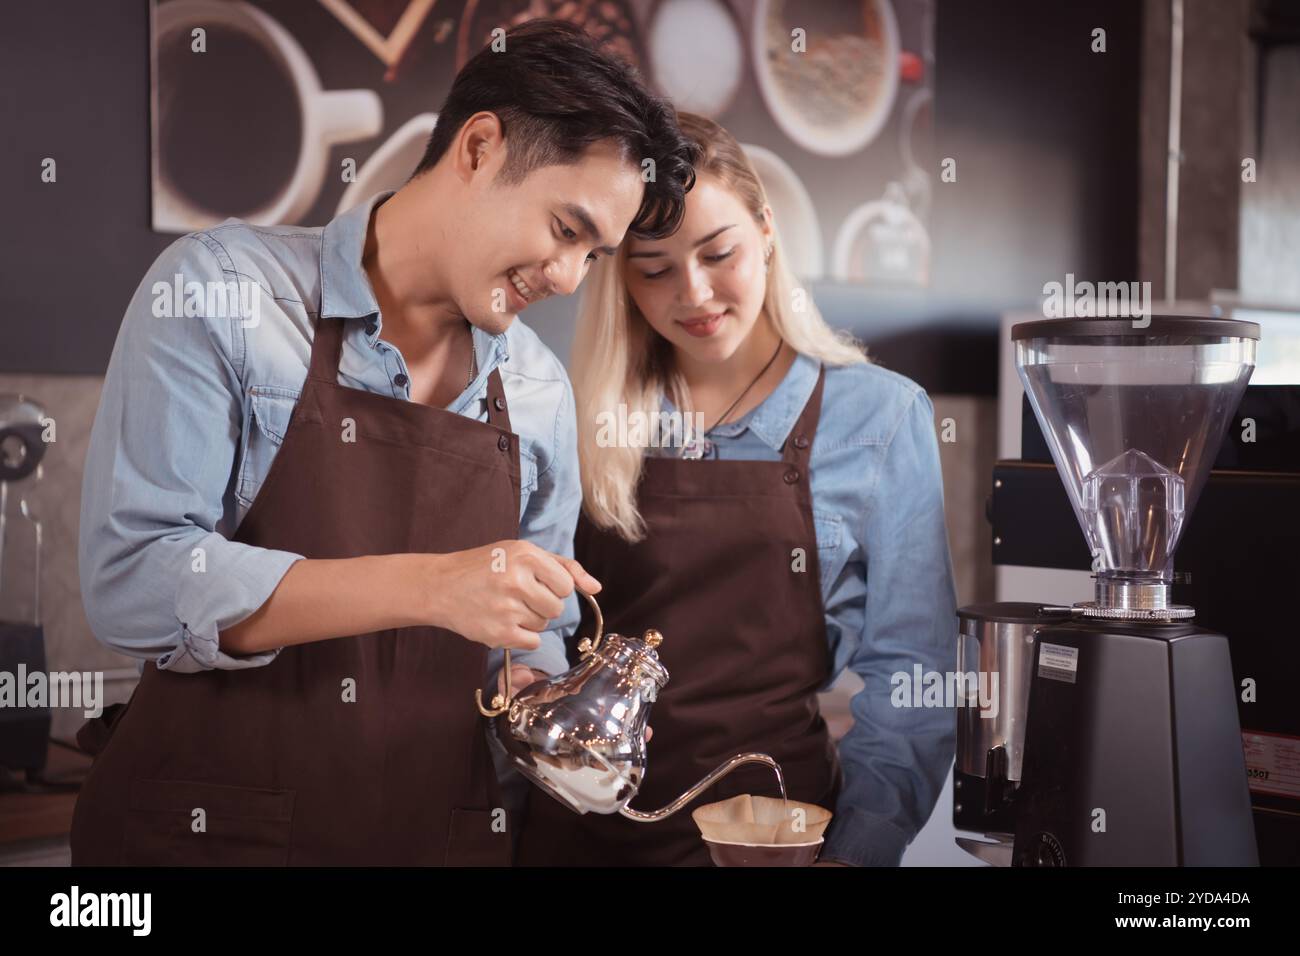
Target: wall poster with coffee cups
{"x":291,"y":111}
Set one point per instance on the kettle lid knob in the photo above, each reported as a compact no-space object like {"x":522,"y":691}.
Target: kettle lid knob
{"x":653,"y":638}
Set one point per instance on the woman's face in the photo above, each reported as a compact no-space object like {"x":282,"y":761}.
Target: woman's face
{"x":702,"y":288}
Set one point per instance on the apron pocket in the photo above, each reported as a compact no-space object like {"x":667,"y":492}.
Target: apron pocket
{"x":471,"y":841}
{"x":242,"y":826}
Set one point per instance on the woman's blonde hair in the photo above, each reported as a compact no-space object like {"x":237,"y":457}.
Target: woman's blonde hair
{"x":618,"y":359}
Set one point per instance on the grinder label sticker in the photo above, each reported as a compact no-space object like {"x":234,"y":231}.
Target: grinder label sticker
{"x":1058,"y":662}
{"x":1272,"y":762}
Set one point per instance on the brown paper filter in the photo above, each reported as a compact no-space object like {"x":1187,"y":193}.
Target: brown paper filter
{"x":761,"y":820}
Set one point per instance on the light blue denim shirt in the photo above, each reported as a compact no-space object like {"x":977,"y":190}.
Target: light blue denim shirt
{"x":194,"y":409}
{"x":887,"y":588}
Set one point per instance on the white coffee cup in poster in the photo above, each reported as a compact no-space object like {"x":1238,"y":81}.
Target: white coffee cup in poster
{"x":278,"y":138}
{"x":391,"y":165}
{"x":793,"y":209}
{"x":915,"y":136}
{"x":882,"y":242}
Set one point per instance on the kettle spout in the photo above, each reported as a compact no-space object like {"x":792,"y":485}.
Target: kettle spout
{"x":722,"y":770}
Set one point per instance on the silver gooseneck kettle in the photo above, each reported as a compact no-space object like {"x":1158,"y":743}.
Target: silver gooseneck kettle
{"x":580,"y":735}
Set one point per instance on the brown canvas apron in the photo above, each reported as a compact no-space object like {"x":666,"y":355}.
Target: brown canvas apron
{"x":744,"y":644}
{"x":286,"y":770}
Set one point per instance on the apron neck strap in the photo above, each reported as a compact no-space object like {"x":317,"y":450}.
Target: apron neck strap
{"x":497,"y":407}
{"x":798,"y":444}
{"x":326,"y":347}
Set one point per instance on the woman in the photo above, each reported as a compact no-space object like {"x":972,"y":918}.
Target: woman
{"x":795,"y":530}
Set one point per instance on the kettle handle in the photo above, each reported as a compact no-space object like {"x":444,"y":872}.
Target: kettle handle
{"x":501,"y":704}
{"x":589,"y":644}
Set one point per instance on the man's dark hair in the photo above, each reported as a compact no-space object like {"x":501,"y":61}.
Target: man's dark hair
{"x":556,"y":93}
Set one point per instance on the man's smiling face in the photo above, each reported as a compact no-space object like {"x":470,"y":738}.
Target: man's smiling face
{"x":522,"y":242}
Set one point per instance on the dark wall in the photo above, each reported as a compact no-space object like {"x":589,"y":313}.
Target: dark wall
{"x":74,"y":86}
{"x":1043,"y":131}
{"x":1045,"y":137}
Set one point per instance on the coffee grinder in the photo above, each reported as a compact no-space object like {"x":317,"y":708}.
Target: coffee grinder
{"x":1116,"y":739}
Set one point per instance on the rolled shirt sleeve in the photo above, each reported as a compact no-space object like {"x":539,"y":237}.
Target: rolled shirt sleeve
{"x":159,"y":580}
{"x":896,"y":758}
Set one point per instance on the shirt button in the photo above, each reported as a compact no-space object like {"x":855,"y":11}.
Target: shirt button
{"x":791,"y":476}
{"x":504,"y":442}
{"x":801,"y":442}
{"x":499,"y":403}
{"x":400,"y":380}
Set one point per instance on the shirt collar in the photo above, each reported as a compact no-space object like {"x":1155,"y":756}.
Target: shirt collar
{"x":345,"y":287}
{"x":345,"y":291}
{"x":776,"y":415}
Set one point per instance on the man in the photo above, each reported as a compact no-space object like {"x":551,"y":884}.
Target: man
{"x":303,"y":516}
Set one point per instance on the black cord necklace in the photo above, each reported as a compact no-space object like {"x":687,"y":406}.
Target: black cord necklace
{"x":701,"y":447}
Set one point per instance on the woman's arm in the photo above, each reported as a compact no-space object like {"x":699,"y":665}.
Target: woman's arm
{"x":896,"y":756}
